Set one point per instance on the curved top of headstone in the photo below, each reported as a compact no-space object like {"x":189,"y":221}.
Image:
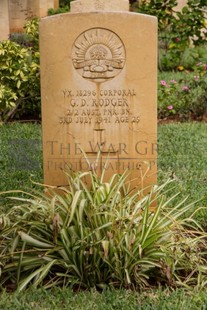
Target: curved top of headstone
{"x":79,"y":6}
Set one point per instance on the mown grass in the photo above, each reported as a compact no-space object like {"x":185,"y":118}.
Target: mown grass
{"x":182,"y":150}
{"x":116,"y":299}
{"x":182,"y":154}
{"x":20,"y":157}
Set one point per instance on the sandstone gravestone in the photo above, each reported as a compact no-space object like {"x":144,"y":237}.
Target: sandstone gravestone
{"x":44,"y":5}
{"x":21,"y":10}
{"x":4,"y":20}
{"x":98,"y":89}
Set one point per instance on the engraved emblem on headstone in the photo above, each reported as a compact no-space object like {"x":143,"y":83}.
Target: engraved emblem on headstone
{"x":98,"y":55}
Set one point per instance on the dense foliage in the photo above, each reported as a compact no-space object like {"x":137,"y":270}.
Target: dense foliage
{"x":177,"y":30}
{"x":19,"y":75}
{"x":183,"y":96}
{"x":182,"y":48}
{"x":105,"y":236}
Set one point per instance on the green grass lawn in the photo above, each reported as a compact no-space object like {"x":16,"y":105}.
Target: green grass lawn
{"x":65,"y":299}
{"x":182,"y":150}
{"x":182,"y":154}
{"x":20,"y":157}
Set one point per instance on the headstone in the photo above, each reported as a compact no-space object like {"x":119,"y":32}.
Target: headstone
{"x":99,"y":5}
{"x":98,"y":89}
{"x":4,"y":20}
{"x":56,"y":4}
{"x":44,"y":5}
{"x":21,"y":10}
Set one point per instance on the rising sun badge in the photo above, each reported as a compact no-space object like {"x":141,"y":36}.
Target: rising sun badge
{"x":98,"y":55}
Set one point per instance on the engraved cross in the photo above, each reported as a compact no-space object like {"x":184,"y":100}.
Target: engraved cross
{"x":106,"y":153}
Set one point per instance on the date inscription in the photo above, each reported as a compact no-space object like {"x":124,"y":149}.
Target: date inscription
{"x":105,"y":106}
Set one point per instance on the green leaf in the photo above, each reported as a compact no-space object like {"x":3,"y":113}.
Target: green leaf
{"x":72,"y":208}
{"x":32,"y":241}
{"x":40,"y":273}
{"x":18,"y":84}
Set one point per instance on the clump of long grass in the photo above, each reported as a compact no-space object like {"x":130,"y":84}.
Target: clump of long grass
{"x":105,"y":235}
